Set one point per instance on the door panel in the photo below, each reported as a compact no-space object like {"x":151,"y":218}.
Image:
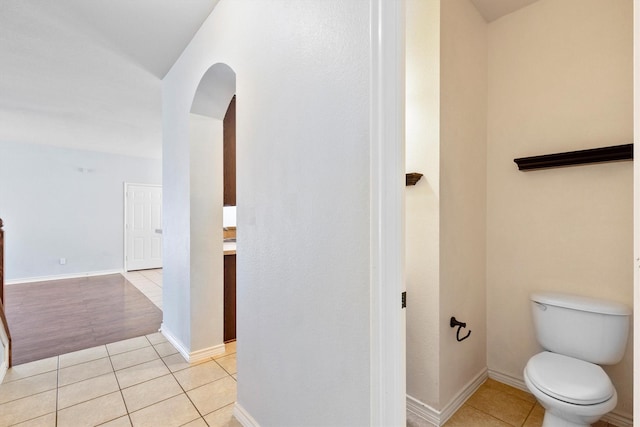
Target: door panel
{"x":143,"y":226}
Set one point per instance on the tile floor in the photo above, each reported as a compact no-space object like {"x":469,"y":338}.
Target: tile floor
{"x":495,"y":404}
{"x":149,"y":282}
{"x":145,"y":382}
{"x":142,"y":381}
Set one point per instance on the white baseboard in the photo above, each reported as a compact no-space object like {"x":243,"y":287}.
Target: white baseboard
{"x":616,"y":418}
{"x":508,"y":380}
{"x":438,"y":418}
{"x":206,"y":353}
{"x":619,"y":420}
{"x":61,"y":276}
{"x":243,"y":416}
{"x":174,"y":341}
{"x":423,"y":411}
{"x":194,"y":356}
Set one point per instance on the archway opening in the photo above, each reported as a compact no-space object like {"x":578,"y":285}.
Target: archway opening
{"x":212,"y":208}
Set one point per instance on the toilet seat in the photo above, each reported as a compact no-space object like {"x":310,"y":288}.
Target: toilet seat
{"x":569,"y":380}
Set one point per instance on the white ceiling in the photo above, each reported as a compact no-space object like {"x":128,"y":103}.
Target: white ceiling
{"x":87,"y":73}
{"x":494,"y":9}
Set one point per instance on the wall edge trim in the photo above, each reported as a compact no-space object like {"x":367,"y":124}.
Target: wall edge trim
{"x":387,"y":347}
{"x":614,"y":417}
{"x":438,"y":418}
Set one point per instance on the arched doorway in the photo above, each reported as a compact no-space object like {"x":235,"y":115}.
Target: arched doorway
{"x":212,"y":137}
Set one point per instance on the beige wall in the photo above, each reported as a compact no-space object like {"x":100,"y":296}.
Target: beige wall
{"x":463,"y":114}
{"x":560,"y":79}
{"x":445,"y":211}
{"x":421,"y":204}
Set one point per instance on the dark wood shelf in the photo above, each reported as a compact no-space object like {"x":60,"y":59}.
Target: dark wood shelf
{"x":573,"y":158}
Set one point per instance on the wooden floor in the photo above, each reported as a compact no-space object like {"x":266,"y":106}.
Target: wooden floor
{"x":56,"y":317}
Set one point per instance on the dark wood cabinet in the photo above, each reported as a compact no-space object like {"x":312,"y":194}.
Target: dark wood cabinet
{"x":229,"y":154}
{"x":229,"y":298}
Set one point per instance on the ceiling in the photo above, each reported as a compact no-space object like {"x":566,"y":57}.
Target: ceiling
{"x":494,"y":9}
{"x":87,"y":73}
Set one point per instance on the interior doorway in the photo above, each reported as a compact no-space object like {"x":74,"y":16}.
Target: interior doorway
{"x":142,"y":226}
{"x":213,"y":199}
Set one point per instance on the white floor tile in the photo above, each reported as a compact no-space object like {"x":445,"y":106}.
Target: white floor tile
{"x":151,"y":392}
{"x":118,"y":422}
{"x":83,"y":391}
{"x":156,"y":338}
{"x":134,"y":357}
{"x":213,"y":396}
{"x":93,"y":412}
{"x":84,"y":371}
{"x":32,"y":368}
{"x":127,"y":345}
{"x":82,"y":356}
{"x":198,"y":375}
{"x":48,"y":420}
{"x":140,"y":373}
{"x":27,"y":408}
{"x":175,"y":411}
{"x":28,"y":386}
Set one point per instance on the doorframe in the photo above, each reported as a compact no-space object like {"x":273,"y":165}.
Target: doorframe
{"x":636,"y":207}
{"x":387,"y":173}
{"x":124,"y":218}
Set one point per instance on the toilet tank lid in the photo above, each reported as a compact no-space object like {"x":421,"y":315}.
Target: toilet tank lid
{"x":582,"y":303}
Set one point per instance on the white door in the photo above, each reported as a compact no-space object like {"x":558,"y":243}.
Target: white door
{"x":143,"y":226}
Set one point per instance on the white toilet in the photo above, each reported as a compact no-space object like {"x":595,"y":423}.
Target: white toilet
{"x":579,"y":333}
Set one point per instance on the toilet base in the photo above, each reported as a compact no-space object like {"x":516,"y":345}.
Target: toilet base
{"x":551,"y":420}
{"x":562,"y":414}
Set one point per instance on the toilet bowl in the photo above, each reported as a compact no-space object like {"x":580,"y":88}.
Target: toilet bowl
{"x":574,"y":393}
{"x":577,"y":334}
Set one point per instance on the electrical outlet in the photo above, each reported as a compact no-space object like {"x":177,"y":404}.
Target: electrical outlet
{"x":63,"y":261}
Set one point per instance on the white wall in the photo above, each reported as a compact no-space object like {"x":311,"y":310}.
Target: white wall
{"x":463,"y":115}
{"x":193,"y":266}
{"x":303,"y":203}
{"x":52,"y":210}
{"x":207,"y":257}
{"x":560,"y":79}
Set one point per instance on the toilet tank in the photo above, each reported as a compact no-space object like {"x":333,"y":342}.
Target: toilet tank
{"x":585,"y":328}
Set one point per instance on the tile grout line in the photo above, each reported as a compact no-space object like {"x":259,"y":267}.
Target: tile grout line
{"x":126,"y":408}
{"x":529,"y":414}
{"x":149,"y":380}
{"x":182,"y":388}
{"x":185,"y":392}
